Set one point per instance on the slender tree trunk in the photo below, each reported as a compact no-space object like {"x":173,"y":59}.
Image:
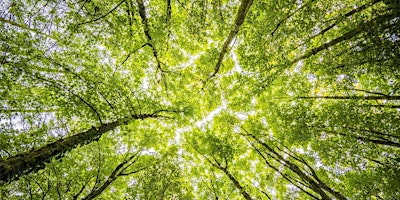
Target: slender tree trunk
{"x":25,"y":163}
{"x":365,"y":139}
{"x":316,"y":185}
{"x":145,"y":21}
{"x":348,"y":14}
{"x":375,"y":141}
{"x":97,"y":192}
{"x":348,"y":35}
{"x":396,"y":97}
{"x":237,"y":184}
{"x":230,"y":176}
{"x":240,"y":17}
{"x":282,"y":174}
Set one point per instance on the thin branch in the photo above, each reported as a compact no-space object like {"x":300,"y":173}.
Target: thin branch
{"x":168,"y":15}
{"x":136,"y":50}
{"x":82,"y":79}
{"x":132,"y":172}
{"x":368,"y":92}
{"x":384,"y":106}
{"x":57,"y":85}
{"x":22,"y":26}
{"x":75,"y":197}
{"x":118,"y":171}
{"x":101,"y":17}
{"x":395,"y":97}
{"x":288,"y":17}
{"x":7,"y":110}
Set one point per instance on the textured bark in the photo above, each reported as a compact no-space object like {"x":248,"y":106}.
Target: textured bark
{"x":240,"y":17}
{"x":25,"y":163}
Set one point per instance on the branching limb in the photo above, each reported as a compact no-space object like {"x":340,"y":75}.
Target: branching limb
{"x":103,"y":16}
{"x":25,"y":27}
{"x":136,"y":50}
{"x":118,"y":171}
{"x":288,"y":17}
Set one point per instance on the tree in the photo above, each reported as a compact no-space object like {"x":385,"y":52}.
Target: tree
{"x":199,"y":99}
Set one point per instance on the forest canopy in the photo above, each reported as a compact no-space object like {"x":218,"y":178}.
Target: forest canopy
{"x":179,"y":99}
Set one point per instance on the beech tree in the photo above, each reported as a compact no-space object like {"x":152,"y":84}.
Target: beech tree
{"x":228,"y":99}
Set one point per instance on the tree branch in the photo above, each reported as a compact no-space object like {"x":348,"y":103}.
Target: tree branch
{"x":101,"y":17}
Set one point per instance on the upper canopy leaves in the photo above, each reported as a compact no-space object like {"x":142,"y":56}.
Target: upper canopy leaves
{"x":207,"y":99}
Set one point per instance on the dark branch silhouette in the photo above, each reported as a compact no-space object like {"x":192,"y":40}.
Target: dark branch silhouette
{"x":25,"y":163}
{"x":103,"y":16}
{"x":240,"y":17}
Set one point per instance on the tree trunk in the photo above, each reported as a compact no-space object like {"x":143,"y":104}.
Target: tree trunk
{"x":231,"y":177}
{"x":25,"y":163}
{"x":145,"y":21}
{"x":237,"y":184}
{"x":240,"y":17}
{"x":396,"y":97}
{"x":348,"y":35}
{"x":316,"y":185}
{"x":366,"y":139}
{"x":348,"y":14}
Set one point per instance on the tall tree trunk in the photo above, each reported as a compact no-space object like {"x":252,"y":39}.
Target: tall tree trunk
{"x":146,"y":27}
{"x":314,"y":182}
{"x":347,"y":15}
{"x":240,"y":17}
{"x":25,"y":163}
{"x":382,"y":141}
{"x":237,"y":184}
{"x":348,"y":35}
{"x":396,"y":97}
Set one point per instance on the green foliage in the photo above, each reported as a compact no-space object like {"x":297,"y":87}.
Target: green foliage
{"x":307,"y":92}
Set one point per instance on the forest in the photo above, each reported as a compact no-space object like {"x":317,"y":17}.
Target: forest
{"x":200,"y":99}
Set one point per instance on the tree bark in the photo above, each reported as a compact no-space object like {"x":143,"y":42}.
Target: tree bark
{"x":240,"y":17}
{"x":25,"y":163}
